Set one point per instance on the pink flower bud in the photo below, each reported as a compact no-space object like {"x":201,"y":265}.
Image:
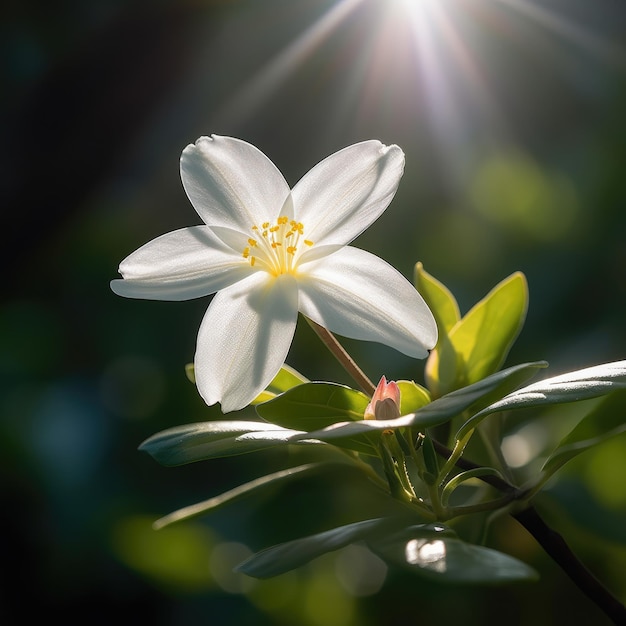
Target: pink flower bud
{"x":385,"y":403}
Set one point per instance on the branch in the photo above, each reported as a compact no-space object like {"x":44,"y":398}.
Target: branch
{"x":554,"y":545}
{"x":339,"y":352}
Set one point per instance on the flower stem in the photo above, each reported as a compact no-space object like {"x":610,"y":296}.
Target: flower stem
{"x":339,"y":352}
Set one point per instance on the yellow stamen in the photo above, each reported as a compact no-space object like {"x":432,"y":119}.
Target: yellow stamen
{"x":283,"y":234}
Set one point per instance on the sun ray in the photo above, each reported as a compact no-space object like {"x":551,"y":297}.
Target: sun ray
{"x":582,"y":37}
{"x":242,"y":105}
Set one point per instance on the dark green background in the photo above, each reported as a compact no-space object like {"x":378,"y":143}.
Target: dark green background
{"x":511,"y":114}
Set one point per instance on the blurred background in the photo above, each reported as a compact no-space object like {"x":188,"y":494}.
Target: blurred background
{"x":511,"y":115}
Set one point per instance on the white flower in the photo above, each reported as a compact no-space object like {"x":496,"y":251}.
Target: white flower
{"x":270,"y":252}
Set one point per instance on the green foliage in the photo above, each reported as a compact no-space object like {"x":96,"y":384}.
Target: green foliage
{"x":412,"y":396}
{"x":287,"y":556}
{"x":437,"y":412}
{"x":402,"y":457}
{"x":440,"y":300}
{"x":212,"y":440}
{"x":434,"y":552}
{"x":590,"y":382}
{"x":312,"y":406}
{"x":476,"y":345}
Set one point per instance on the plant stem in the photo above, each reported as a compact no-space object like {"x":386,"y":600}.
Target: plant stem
{"x":339,"y":352}
{"x":455,"y":455}
{"x":552,"y":542}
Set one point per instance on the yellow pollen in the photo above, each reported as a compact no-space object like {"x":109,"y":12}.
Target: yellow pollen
{"x":277,"y":247}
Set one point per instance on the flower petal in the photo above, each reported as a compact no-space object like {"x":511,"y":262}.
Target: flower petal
{"x":357,"y":295}
{"x":343,"y":194}
{"x":181,"y":265}
{"x":244,"y":338}
{"x":231,"y":183}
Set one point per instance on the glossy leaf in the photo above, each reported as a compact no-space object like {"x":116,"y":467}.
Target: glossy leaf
{"x":446,"y":312}
{"x":606,"y":420}
{"x":286,"y":378}
{"x":314,"y":406}
{"x":439,"y":299}
{"x":439,"y":411}
{"x":478,"y":344}
{"x":292,"y":554}
{"x":445,"y":558}
{"x":412,"y":396}
{"x":209,"y":440}
{"x":486,"y":333}
{"x":590,"y":382}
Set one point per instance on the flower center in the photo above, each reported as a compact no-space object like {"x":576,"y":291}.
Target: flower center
{"x":274,"y":246}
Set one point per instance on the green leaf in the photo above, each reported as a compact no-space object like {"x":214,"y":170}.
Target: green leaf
{"x":412,"y":396}
{"x":477,"y":345}
{"x":464,"y":476}
{"x":446,"y":312}
{"x":486,"y":333}
{"x":606,"y":420}
{"x":209,"y":440}
{"x":590,"y":382}
{"x":190,"y":372}
{"x":444,"y":558}
{"x":286,"y":378}
{"x":228,"y":497}
{"x":292,"y":554}
{"x":314,"y":406}
{"x":439,"y":299}
{"x":439,"y":411}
